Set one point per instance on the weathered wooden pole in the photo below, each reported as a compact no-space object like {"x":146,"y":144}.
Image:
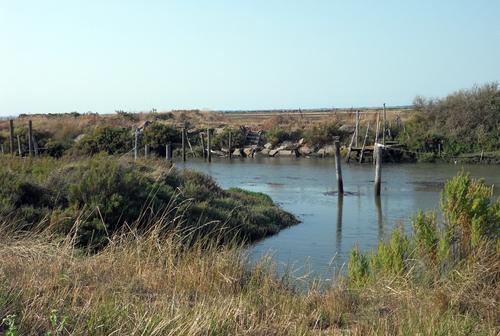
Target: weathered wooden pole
{"x":348,"y":157}
{"x":357,"y":128}
{"x":209,"y":153}
{"x":203,"y":146}
{"x":364,"y":144}
{"x":30,"y":138}
{"x":384,"y":126}
{"x":230,"y":144}
{"x":376,"y":135}
{"x":11,"y":136}
{"x":168,"y":152}
{"x":19,"y":145}
{"x":136,"y":144}
{"x":378,"y":168}
{"x":338,"y":168}
{"x":146,"y":151}
{"x":184,"y":144}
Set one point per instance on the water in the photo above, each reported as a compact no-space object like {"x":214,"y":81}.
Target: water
{"x":330,"y":226}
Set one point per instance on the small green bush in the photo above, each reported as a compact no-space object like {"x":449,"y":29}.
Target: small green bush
{"x":321,"y":135}
{"x":157,"y":136}
{"x":222,"y":139}
{"x":111,"y":140}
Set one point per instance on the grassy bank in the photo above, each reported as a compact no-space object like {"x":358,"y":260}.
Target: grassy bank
{"x":106,"y":194}
{"x":441,"y":280}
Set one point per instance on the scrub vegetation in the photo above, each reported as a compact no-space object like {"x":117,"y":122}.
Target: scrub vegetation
{"x":442,"y":279}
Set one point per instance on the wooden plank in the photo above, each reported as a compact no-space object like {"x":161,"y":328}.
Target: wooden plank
{"x":350,"y":148}
{"x":364,"y":144}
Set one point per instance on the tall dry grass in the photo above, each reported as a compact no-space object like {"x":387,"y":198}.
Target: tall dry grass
{"x":153,"y":284}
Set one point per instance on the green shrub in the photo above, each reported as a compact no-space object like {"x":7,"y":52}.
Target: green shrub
{"x":111,"y":140}
{"x":222,"y":139}
{"x":277,"y":135}
{"x":157,"y":136}
{"x":321,"y":135}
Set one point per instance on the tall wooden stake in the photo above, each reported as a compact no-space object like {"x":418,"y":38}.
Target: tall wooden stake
{"x":376,"y":135}
{"x":19,"y":146}
{"x":357,"y":128}
{"x":30,"y":138}
{"x":11,"y":136}
{"x":136,"y":144}
{"x":384,"y":126}
{"x":348,"y":157}
{"x":184,"y":144}
{"x":146,"y":151}
{"x":364,"y":144}
{"x":338,"y":168}
{"x":378,"y":168}
{"x":209,"y":153}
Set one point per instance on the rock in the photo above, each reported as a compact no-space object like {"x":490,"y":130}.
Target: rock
{"x":238,"y":152}
{"x":80,"y":137}
{"x":268,"y":145}
{"x":249,"y":151}
{"x":265,"y":151}
{"x":274,"y":152}
{"x":347,"y":128}
{"x":285,"y":152}
{"x":330,"y":150}
{"x":301,"y":141}
{"x":305,"y":150}
{"x":321,"y":152}
{"x":287,"y":145}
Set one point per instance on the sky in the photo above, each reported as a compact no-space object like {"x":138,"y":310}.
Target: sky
{"x":135,"y":55}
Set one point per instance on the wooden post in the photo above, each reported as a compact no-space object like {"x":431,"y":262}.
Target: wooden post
{"x":11,"y":136}
{"x":30,"y":138}
{"x":168,"y":152}
{"x":364,"y":144}
{"x":136,"y":144}
{"x":349,"y":150}
{"x":19,"y":146}
{"x":209,"y":154}
{"x":376,"y":135}
{"x":357,"y":128}
{"x":184,"y":144}
{"x":338,"y":168}
{"x":230,"y":144}
{"x":2,"y":149}
{"x":146,"y":151}
{"x":203,"y":147}
{"x":384,"y":127}
{"x":378,"y":168}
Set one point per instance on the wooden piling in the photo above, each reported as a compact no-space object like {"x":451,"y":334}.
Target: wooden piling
{"x":136,"y":144}
{"x":348,"y":157}
{"x":338,"y":168}
{"x":384,"y":126}
{"x":378,"y":168}
{"x":19,"y":150}
{"x":376,"y":134}
{"x":184,"y":144}
{"x":230,"y":144}
{"x":364,"y":144}
{"x":30,"y":138}
{"x":209,"y":153}
{"x":357,"y":128}
{"x":11,"y":136}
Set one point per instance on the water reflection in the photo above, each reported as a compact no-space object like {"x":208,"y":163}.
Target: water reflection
{"x":340,"y":207}
{"x":380,"y":221}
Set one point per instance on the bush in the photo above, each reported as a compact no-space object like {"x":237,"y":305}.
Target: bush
{"x":277,"y":135}
{"x":321,"y":135}
{"x":237,"y":138}
{"x":157,"y":136}
{"x":111,"y":140}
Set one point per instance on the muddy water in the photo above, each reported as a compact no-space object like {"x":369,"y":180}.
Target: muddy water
{"x":330,"y":226}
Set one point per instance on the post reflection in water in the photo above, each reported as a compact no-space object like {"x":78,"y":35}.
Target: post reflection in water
{"x":380,"y":221}
{"x":340,"y":207}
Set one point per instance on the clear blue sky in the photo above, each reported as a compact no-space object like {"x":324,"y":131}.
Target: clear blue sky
{"x":102,"y":55}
